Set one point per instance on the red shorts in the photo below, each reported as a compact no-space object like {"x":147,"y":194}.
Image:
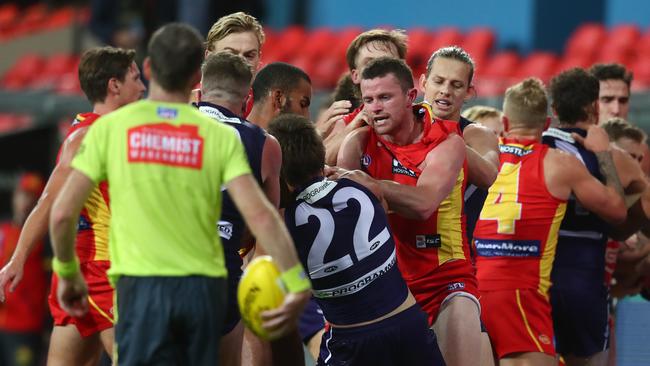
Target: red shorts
{"x":518,"y":321}
{"x":454,"y":278}
{"x":100,"y":301}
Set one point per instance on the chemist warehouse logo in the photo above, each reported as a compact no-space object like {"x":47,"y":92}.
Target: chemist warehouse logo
{"x":166,"y":144}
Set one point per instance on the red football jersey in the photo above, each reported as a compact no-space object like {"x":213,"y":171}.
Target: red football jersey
{"x":517,"y":231}
{"x":422,"y":246}
{"x":92,"y":229}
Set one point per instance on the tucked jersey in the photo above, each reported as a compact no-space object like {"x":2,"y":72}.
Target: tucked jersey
{"x":516,"y":235}
{"x":166,"y":163}
{"x":92,"y":228}
{"x":24,"y":309}
{"x":583,"y":235}
{"x":343,"y":239}
{"x":422,"y":245}
{"x":232,"y":224}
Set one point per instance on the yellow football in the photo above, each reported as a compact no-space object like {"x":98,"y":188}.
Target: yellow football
{"x":259,"y":290}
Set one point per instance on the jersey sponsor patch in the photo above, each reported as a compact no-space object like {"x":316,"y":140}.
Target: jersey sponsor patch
{"x":507,"y":248}
{"x":398,"y":168}
{"x":167,"y":113}
{"x":166,"y":144}
{"x":428,"y":241}
{"x":316,"y":191}
{"x":366,"y":160}
{"x":514,"y":150}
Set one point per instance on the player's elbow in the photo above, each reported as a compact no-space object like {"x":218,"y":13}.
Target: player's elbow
{"x":60,"y":218}
{"x":485,"y":177}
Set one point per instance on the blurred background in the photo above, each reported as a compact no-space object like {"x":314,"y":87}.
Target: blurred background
{"x":40,"y":44}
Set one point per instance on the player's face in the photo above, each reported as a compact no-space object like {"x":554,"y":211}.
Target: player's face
{"x":131,"y":88}
{"x":385,"y":103}
{"x":447,"y":87}
{"x":613,"y":99}
{"x":299,"y":99}
{"x":369,"y":52}
{"x":244,"y":44}
{"x":632,"y":147}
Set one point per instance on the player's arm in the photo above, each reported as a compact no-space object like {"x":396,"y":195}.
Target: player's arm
{"x":438,"y":177}
{"x":482,"y":155}
{"x":35,"y":228}
{"x":573,"y":176}
{"x":352,"y":147}
{"x":271,"y":166}
{"x":334,"y":141}
{"x":638,"y":218}
{"x":72,"y":288}
{"x":274,"y":238}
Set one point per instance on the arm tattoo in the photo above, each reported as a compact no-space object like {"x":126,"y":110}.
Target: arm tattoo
{"x":608,"y":170}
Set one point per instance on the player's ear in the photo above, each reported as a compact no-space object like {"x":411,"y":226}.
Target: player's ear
{"x":506,"y":123}
{"x":412,"y":94}
{"x":354,"y":75}
{"x":423,"y":83}
{"x":277,"y":99}
{"x":547,"y":124}
{"x":471,"y":92}
{"x":146,"y":68}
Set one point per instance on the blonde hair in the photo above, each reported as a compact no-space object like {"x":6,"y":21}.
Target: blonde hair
{"x":234,"y":23}
{"x":618,"y":128}
{"x":526,"y":103}
{"x":479,"y":112}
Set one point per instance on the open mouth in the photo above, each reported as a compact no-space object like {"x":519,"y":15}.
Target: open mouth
{"x":378,"y":120}
{"x":443,"y":103}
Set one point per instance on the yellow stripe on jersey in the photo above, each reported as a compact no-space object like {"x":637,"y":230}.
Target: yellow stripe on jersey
{"x":449,"y":223}
{"x":546,"y":263}
{"x":523,"y":317}
{"x":100,"y":216}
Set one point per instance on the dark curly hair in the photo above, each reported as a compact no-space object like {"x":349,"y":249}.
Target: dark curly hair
{"x":573,"y":91}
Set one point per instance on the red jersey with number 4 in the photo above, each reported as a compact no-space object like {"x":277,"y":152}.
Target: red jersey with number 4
{"x":92,"y":228}
{"x":422,"y":245}
{"x":517,"y":231}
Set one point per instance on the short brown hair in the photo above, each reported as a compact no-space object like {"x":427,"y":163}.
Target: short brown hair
{"x":526,"y":103}
{"x":396,"y":37}
{"x":303,"y":152}
{"x":479,"y":112}
{"x":618,"y":128}
{"x":176,"y":52}
{"x":226,"y":74}
{"x":234,"y":23}
{"x":611,"y":72}
{"x":383,"y":66}
{"x":99,"y":65}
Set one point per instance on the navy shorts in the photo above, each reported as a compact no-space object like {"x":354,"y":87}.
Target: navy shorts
{"x":580,"y":317}
{"x":403,"y":339}
{"x":169,"y":320}
{"x":311,"y":321}
{"x":232,"y":308}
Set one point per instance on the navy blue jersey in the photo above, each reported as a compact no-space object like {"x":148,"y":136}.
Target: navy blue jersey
{"x":474,"y":199}
{"x":583,"y":235}
{"x":342,"y":237}
{"x":231,"y":224}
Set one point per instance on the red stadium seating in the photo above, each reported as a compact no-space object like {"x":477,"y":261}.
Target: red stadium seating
{"x":586,"y":40}
{"x":538,"y":64}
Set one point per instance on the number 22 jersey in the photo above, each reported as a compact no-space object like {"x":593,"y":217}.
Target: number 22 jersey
{"x":342,"y":237}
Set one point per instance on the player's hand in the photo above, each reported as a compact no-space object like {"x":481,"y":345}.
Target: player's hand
{"x":73,"y":295}
{"x":373,"y":185}
{"x":281,"y":321}
{"x":10,"y":274}
{"x":596,"y":141}
{"x":328,"y":119}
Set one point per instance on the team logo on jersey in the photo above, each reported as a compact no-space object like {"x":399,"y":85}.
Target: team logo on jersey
{"x":366,"y":160}
{"x":83,"y":224}
{"x":398,"y":168}
{"x":225,"y":229}
{"x":544,"y":339}
{"x":167,"y":113}
{"x":507,"y":248}
{"x":166,"y":144}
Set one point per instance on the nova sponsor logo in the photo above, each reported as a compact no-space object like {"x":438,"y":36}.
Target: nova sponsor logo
{"x":398,"y":168}
{"x":507,"y":248}
{"x":166,"y":144}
